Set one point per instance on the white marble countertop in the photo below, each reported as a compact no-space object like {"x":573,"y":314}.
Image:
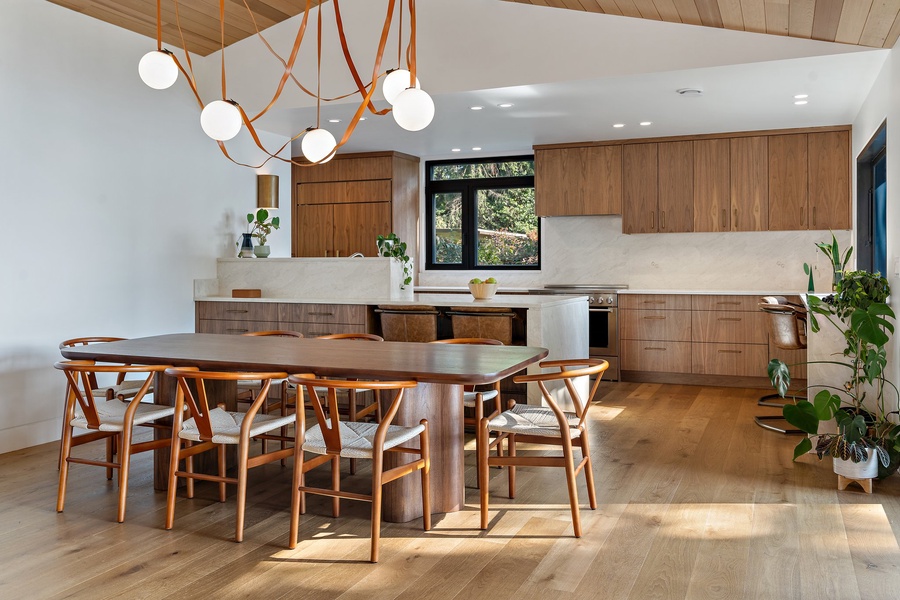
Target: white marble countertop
{"x":510,"y":300}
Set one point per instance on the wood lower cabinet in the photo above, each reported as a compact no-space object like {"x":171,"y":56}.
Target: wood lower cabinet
{"x":311,"y":320}
{"x":578,"y":181}
{"x":679,"y":336}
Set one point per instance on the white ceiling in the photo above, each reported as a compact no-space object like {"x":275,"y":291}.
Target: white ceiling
{"x":571,"y":76}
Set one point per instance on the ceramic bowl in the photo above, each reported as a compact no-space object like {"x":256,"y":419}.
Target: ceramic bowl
{"x":483,"y":291}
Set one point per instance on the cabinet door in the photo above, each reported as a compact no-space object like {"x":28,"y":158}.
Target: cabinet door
{"x":712,"y":188}
{"x":376,"y":190}
{"x":640,"y":188}
{"x":676,"y":187}
{"x":656,"y":356}
{"x":671,"y":325}
{"x":829,"y":180}
{"x":788,"y":177}
{"x":578,"y":181}
{"x":750,"y":184}
{"x":315,"y":230}
{"x":357,"y":225}
{"x":739,"y":360}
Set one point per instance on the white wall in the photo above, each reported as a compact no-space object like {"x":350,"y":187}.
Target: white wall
{"x":113,"y":201}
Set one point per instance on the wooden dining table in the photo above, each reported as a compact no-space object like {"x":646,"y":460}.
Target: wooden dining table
{"x":441,"y":370}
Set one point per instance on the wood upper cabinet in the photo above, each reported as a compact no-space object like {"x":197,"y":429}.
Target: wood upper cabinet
{"x":712,"y":185}
{"x":750,"y":183}
{"x":578,"y":181}
{"x":829,"y":180}
{"x":788,"y":182}
{"x":341,"y":206}
{"x":640,"y":188}
{"x":676,"y":186}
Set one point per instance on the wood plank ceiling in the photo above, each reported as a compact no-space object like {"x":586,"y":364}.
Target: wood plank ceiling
{"x":873,"y":23}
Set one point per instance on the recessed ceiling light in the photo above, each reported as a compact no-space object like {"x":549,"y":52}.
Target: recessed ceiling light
{"x":506,"y":105}
{"x":800,"y":96}
{"x":690,"y":92}
{"x":476,"y":148}
{"x":645,"y":123}
{"x":476,"y":107}
{"x":455,"y":150}
{"x":334,"y":120}
{"x":362,"y":118}
{"x":619,"y":125}
{"x":798,"y":102}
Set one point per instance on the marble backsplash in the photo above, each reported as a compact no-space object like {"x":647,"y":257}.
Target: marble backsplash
{"x":591,"y":250}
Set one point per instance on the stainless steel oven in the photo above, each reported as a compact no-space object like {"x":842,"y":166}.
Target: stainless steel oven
{"x":603,"y":321}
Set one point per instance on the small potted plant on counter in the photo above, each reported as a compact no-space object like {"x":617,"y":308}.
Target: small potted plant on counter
{"x":390,"y":246}
{"x":867,"y":441}
{"x":260,"y":228}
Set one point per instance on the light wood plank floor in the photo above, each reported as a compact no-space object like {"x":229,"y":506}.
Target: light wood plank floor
{"x":695,"y":502}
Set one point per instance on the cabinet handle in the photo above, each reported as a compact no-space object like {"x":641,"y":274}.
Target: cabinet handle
{"x":237,"y":330}
{"x":802,"y":214}
{"x":734,"y":220}
{"x":234,"y":310}
{"x":728,"y":303}
{"x":662,"y":220}
{"x":815,"y":221}
{"x":654,"y":301}
{"x":724,"y":217}
{"x":652,"y":220}
{"x":321,"y":314}
{"x":730,"y":351}
{"x":654,"y":348}
{"x":655,"y":318}
{"x":730,"y":319}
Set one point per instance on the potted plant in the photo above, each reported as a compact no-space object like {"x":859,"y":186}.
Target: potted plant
{"x":391,"y":247}
{"x":838,"y":261}
{"x":866,"y":429}
{"x":260,"y":228}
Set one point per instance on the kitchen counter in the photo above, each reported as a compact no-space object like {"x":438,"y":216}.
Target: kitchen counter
{"x":505,"y":300}
{"x":717,"y":292}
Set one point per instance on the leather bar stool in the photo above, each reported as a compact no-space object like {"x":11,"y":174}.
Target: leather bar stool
{"x":403,"y":323}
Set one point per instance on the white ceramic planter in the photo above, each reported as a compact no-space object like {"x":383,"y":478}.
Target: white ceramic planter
{"x":261,"y":251}
{"x":861,"y":470}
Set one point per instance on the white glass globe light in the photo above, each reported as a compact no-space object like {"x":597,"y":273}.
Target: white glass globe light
{"x":318,"y":145}
{"x":395,"y":82}
{"x":158,"y":70}
{"x":220,"y":120}
{"x":413,"y":109}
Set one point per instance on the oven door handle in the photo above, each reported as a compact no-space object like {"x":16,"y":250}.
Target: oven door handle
{"x":606,"y":310}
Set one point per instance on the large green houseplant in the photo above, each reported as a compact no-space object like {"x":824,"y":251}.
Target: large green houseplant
{"x":858,"y":311}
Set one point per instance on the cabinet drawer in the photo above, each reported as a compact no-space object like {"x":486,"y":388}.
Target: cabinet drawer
{"x":731,"y":327}
{"x":655,"y":301}
{"x":730,"y":359}
{"x":726,"y":302}
{"x":659,"y":356}
{"x":253,"y":311}
{"x":673,"y":325}
{"x":234,"y":327}
{"x":354,"y":314}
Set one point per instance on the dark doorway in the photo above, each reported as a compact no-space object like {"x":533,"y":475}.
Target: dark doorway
{"x":871,"y":204}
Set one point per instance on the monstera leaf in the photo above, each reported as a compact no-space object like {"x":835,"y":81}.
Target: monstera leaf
{"x":779,"y":375}
{"x":802,"y":415}
{"x":870,"y":324}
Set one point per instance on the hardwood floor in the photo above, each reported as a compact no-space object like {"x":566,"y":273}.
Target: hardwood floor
{"x":695,"y":501}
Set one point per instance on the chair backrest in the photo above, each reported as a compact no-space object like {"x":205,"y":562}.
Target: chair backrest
{"x":275,"y":332}
{"x":327,"y":415}
{"x":199,"y":405}
{"x":787,"y":322}
{"x":482,"y":322}
{"x":84,"y":341}
{"x":568,"y":370}
{"x":370,"y":337}
{"x":401,"y":323}
{"x":83,"y":394}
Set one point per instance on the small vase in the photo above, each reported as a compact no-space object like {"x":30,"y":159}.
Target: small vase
{"x":836,"y":280}
{"x":246,"y":246}
{"x":867,"y":469}
{"x":261,"y":251}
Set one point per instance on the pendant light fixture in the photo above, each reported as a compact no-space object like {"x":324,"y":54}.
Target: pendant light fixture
{"x":224,"y":118}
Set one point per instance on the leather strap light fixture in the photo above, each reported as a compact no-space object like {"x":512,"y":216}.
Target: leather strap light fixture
{"x":223,"y":118}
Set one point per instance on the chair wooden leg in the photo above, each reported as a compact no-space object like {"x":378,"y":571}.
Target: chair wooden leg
{"x":297,"y":481}
{"x":65,"y":449}
{"x":377,"y":466}
{"x":189,"y":468}
{"x":110,"y":452}
{"x":483,"y":466}
{"x":221,"y":451}
{"x":243,"y":457}
{"x":426,"y":477}
{"x":511,"y":441}
{"x":351,"y":408}
{"x":479,"y":436}
{"x":336,"y":486}
{"x":588,"y":470}
{"x":173,"y":481}
{"x":124,"y":464}
{"x":570,"y":483}
{"x":377,"y":405}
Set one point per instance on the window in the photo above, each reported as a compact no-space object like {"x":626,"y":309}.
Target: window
{"x":481,"y":214}
{"x":871,"y":205}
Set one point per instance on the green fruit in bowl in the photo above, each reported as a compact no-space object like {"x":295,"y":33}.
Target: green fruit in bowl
{"x":490,"y":280}
{"x":476,"y":281}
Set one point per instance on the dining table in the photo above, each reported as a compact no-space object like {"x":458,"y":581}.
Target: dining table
{"x":441,"y":371}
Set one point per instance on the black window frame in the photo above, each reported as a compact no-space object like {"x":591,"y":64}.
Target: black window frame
{"x":468,"y":188}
